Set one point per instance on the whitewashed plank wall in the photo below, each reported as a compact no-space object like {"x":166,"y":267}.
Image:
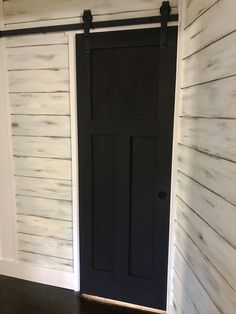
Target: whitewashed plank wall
{"x":34,"y":12}
{"x":39,"y":98}
{"x":205,"y":233}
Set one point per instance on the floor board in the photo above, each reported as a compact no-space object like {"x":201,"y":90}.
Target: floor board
{"x":24,"y":297}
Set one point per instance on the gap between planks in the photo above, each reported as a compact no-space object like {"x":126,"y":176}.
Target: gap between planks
{"x":207,"y":223}
{"x":43,"y":236}
{"x":203,"y":12}
{"x":203,"y":254}
{"x":65,"y":259}
{"x":207,"y":153}
{"x":207,"y":188}
{"x":45,"y":217}
{"x":209,"y":44}
{"x":211,"y":81}
{"x":46,"y":178}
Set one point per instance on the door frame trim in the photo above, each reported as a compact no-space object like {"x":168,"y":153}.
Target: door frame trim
{"x":175,"y":149}
{"x":75,"y":157}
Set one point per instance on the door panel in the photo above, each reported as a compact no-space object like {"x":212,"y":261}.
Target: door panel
{"x":103,"y":152}
{"x":126,"y":88}
{"x":127,"y":100}
{"x":142,"y":206}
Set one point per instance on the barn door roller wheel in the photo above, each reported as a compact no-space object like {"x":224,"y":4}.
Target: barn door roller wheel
{"x":87,"y":18}
{"x":165,"y":14}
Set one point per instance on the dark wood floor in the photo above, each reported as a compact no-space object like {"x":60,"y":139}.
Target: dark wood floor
{"x":23,"y":297}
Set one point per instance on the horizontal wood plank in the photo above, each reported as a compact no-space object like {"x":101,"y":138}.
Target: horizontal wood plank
{"x":47,"y":261}
{"x":215,"y":136}
{"x":97,"y":18}
{"x":32,"y":225}
{"x":214,"y":62}
{"x":37,"y":40}
{"x":194,"y":8}
{"x":209,"y":27}
{"x":41,"y":125}
{"x":191,"y":283}
{"x":44,"y":188}
{"x":53,"y":80}
{"x":182,"y":295}
{"x":214,"y":99}
{"x":209,"y":171}
{"x":34,"y":206}
{"x":214,"y":247}
{"x":218,"y":289}
{"x":25,"y":10}
{"x":45,"y":246}
{"x":40,"y":103}
{"x":217,"y":212}
{"x":38,"y":57}
{"x":49,"y":147}
{"x":43,"y":168}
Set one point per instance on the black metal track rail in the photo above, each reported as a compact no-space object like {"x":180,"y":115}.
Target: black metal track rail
{"x":80,"y":26}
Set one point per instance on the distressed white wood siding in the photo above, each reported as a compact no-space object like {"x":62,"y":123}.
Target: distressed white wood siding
{"x":39,"y":81}
{"x":47,"y":208}
{"x":39,"y":99}
{"x":204,"y":278}
{"x":38,"y":146}
{"x":34,"y":12}
{"x":40,"y":103}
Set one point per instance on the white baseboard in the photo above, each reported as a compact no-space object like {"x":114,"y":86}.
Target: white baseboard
{"x":37,"y":274}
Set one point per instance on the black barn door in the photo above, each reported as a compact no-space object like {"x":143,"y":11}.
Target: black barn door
{"x":126,"y":87}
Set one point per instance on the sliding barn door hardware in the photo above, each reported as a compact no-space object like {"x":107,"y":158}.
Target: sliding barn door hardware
{"x":165,"y":14}
{"x":87,"y":24}
{"x":87,"y":18}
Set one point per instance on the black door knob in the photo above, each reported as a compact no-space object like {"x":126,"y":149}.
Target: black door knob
{"x":162,"y":195}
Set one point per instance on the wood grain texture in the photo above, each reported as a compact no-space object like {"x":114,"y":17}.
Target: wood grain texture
{"x":43,"y":168}
{"x":218,"y":290}
{"x":37,"y":40}
{"x":209,"y":171}
{"x":209,"y":27}
{"x":38,"y":57}
{"x":214,"y":247}
{"x":214,"y":99}
{"x":214,"y":62}
{"x":194,"y":8}
{"x":205,"y":204}
{"x":46,"y":227}
{"x":187,"y":304}
{"x":44,"y":188}
{"x":97,"y":18}
{"x":215,"y":136}
{"x":45,"y":246}
{"x":53,"y":80}
{"x":192,"y":285}
{"x":40,"y":103}
{"x":39,"y":98}
{"x":41,"y":125}
{"x":49,"y":147}
{"x":47,"y":208}
{"x":217,"y":212}
{"x":32,"y":10}
{"x":46,"y":261}
{"x":175,"y":307}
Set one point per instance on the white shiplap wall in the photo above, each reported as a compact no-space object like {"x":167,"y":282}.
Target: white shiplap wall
{"x":27,"y":13}
{"x":204,"y":278}
{"x":38,"y":71}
